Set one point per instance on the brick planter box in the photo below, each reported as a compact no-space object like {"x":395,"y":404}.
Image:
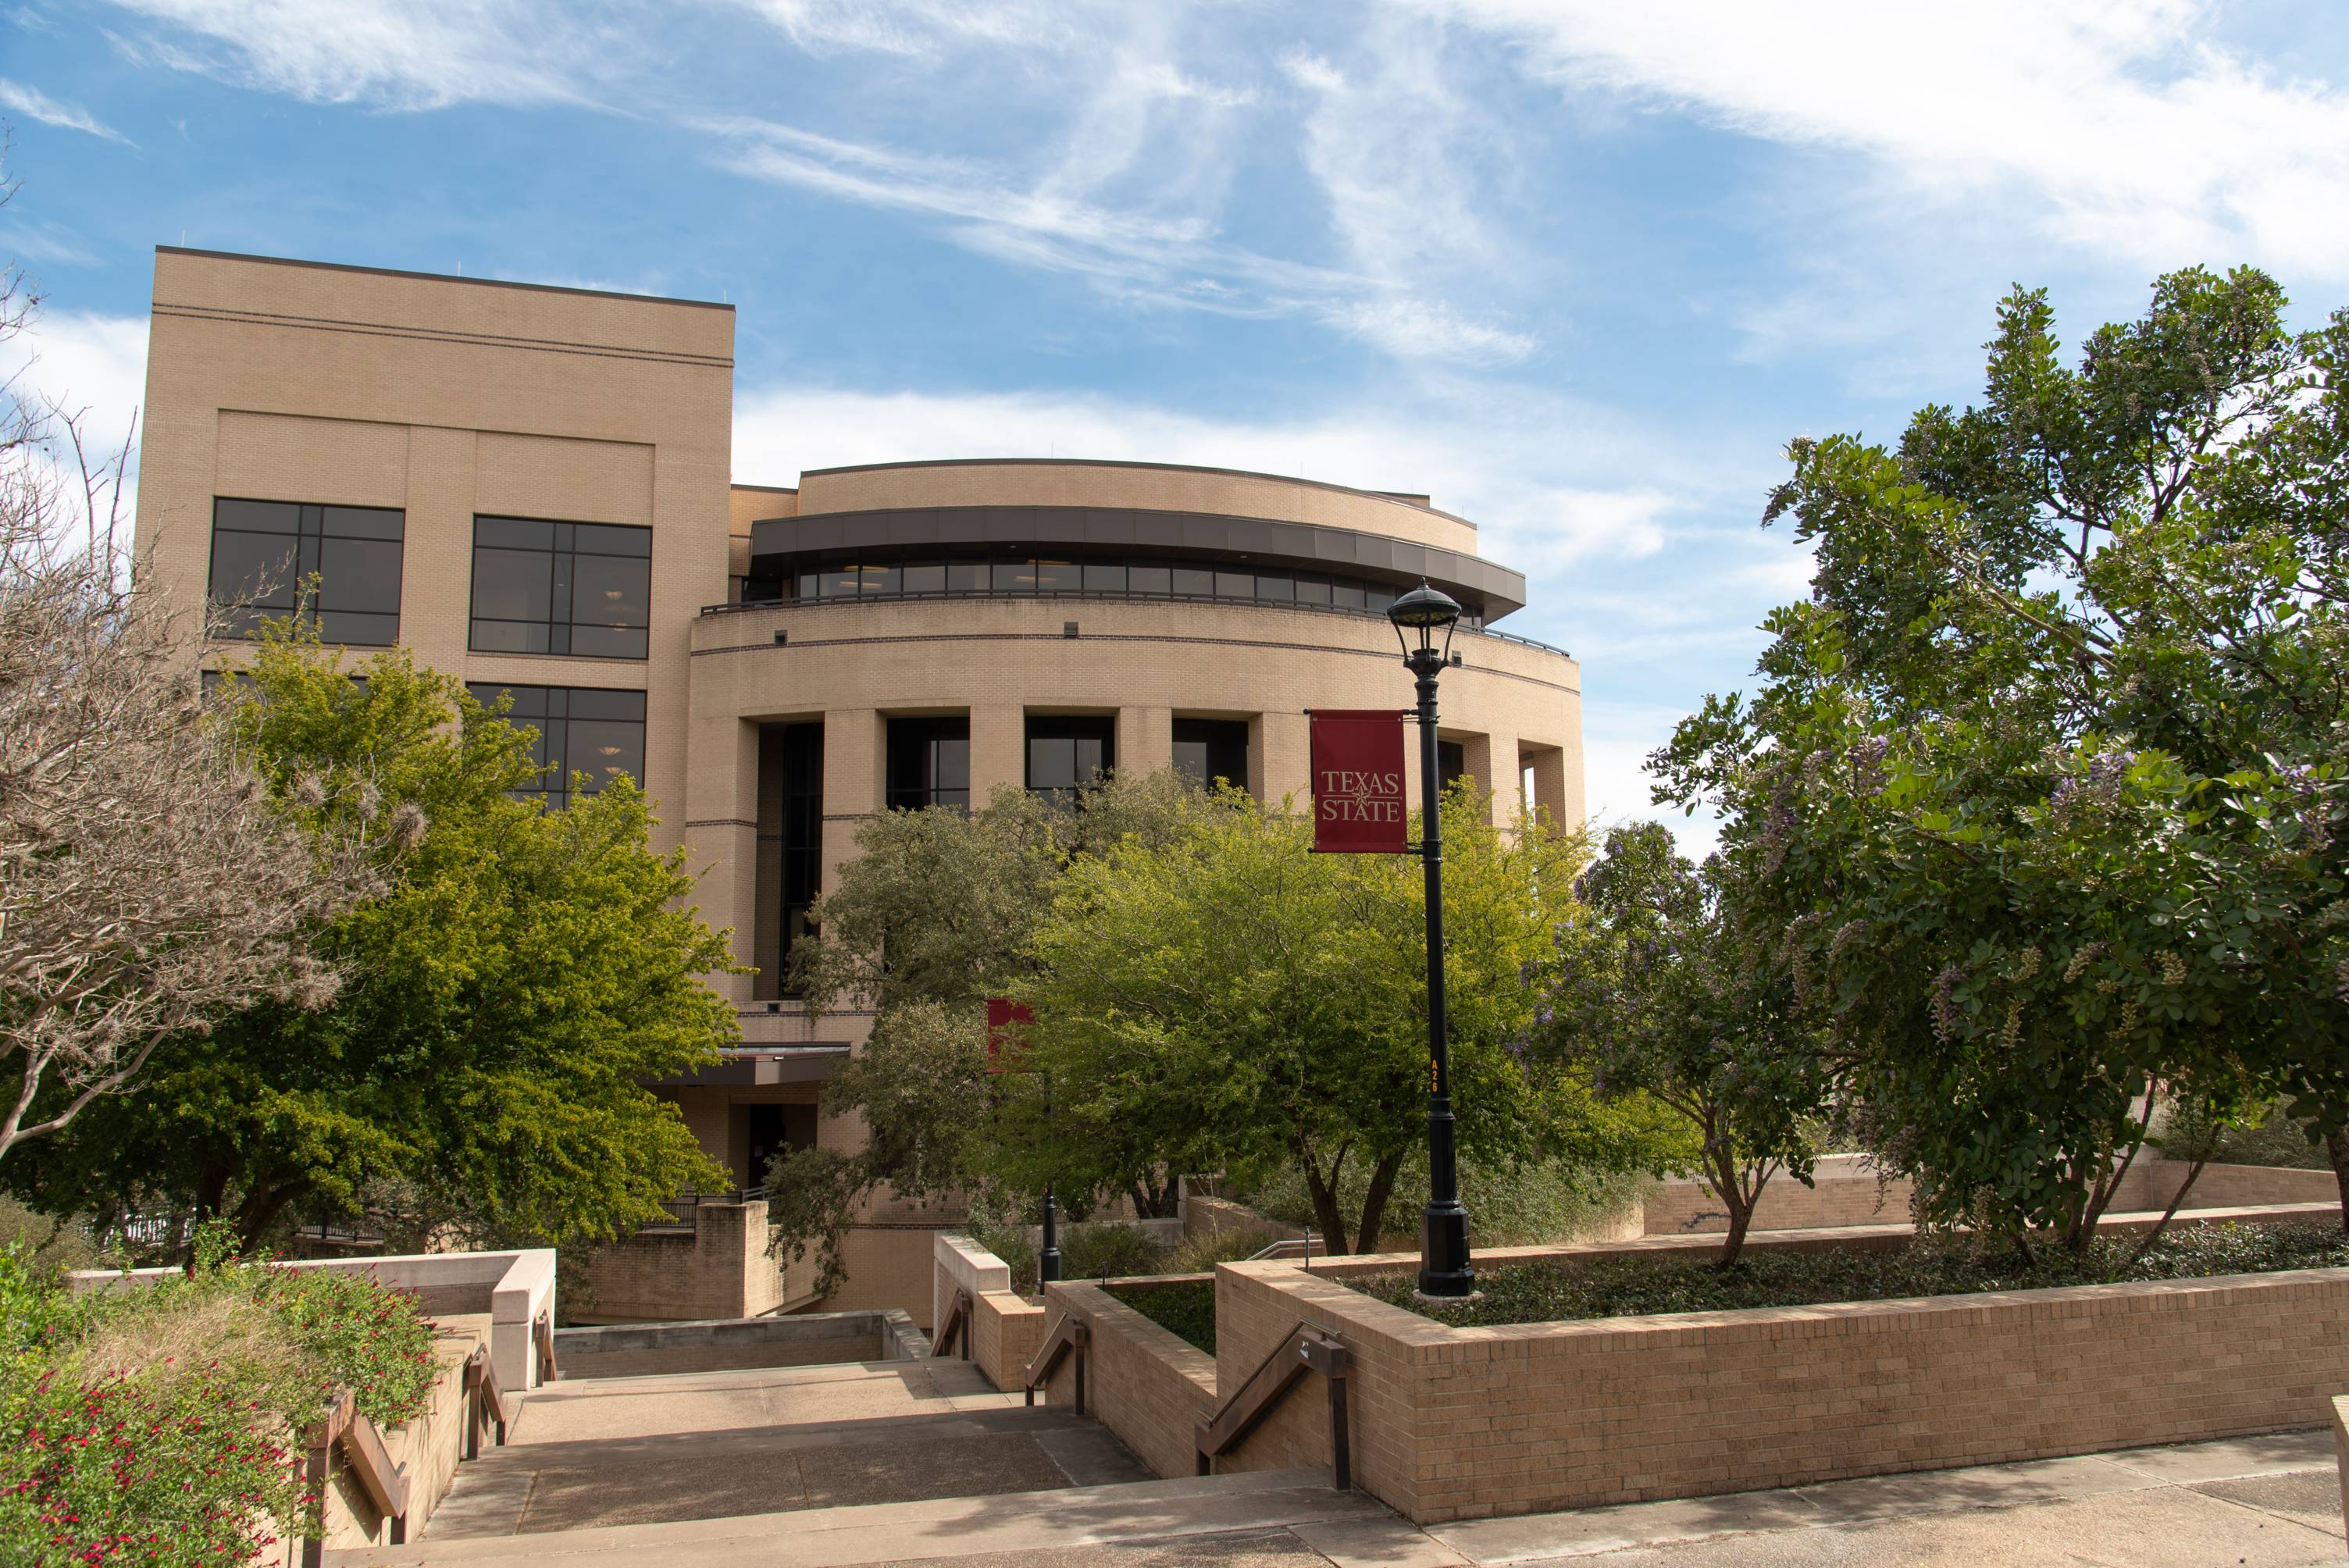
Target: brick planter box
{"x":1456,"y":1423}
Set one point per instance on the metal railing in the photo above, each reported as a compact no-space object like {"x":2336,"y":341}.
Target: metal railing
{"x":681,"y":1207}
{"x":1468,"y":624}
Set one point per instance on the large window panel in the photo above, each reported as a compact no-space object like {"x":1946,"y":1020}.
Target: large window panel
{"x":1208,"y":749}
{"x":929,"y":764}
{"x":1068,"y":754}
{"x":266,"y":552}
{"x":584,"y":589}
{"x":580,"y":729}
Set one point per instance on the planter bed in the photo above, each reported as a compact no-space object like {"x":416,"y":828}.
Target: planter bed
{"x":1186,"y":1307}
{"x":1459,"y":1421}
{"x":1642,"y":1283}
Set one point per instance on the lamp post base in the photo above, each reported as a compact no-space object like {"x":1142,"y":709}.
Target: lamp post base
{"x":1444,"y":1272}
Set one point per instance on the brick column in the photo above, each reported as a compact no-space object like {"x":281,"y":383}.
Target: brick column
{"x":999,"y":750}
{"x":852,"y":758}
{"x":1279,"y":758}
{"x":1507,"y":782}
{"x":1550,"y":788}
{"x":1145,"y":740}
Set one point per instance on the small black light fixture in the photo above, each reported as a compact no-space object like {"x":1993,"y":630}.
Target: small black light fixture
{"x":782,"y":636}
{"x":1444,"y":1271}
{"x":1068,"y":628}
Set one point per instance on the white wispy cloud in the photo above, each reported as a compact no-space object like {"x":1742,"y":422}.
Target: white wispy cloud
{"x":32,"y":103}
{"x":928,"y":29}
{"x":90,"y":368}
{"x":1177,"y":259}
{"x":2120,"y":125}
{"x":398,"y":53}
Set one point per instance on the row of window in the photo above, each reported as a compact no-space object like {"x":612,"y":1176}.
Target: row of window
{"x":582,"y":589}
{"x":1092,"y":579}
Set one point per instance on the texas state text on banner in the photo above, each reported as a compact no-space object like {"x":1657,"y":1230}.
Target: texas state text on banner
{"x":1358,"y":804}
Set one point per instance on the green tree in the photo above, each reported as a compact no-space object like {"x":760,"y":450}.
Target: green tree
{"x":934,"y":917}
{"x":1669,"y":997}
{"x":2043,"y":787}
{"x":524,"y":973}
{"x":1230,"y":999}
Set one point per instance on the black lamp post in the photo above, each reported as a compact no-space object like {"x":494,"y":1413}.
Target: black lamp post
{"x":1444,"y":1266}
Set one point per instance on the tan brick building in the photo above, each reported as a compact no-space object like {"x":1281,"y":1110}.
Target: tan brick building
{"x":532,"y":488}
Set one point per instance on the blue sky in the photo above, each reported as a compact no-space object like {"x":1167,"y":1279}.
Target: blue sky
{"x":1578,"y":267}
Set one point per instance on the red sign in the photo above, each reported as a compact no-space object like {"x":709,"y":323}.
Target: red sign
{"x":1357,"y":773}
{"x":1007,"y":1031}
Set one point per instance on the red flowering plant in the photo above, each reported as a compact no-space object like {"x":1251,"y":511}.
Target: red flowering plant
{"x":162,"y":1424}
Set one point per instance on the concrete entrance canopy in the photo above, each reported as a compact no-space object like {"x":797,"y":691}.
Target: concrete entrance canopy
{"x":760,"y":1064}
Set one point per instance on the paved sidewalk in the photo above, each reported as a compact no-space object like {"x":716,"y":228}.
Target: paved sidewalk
{"x":2264,"y":1503}
{"x":2258,"y":1502}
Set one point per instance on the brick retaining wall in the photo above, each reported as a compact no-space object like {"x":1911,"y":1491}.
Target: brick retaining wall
{"x":1461,"y":1423}
{"x":1142,"y":1382}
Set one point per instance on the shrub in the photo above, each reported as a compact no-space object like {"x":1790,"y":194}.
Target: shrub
{"x":159,"y":1424}
{"x":1186,"y":1308}
{"x":1106,"y":1250}
{"x":1627,"y":1285}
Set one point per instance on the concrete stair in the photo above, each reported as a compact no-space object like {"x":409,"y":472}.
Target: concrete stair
{"x":1300,"y":1505}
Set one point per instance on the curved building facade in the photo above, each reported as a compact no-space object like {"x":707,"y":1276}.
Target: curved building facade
{"x":532,"y":488}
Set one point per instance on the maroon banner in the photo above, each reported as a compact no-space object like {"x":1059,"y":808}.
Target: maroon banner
{"x":1007,"y":1031}
{"x":1357,"y":773}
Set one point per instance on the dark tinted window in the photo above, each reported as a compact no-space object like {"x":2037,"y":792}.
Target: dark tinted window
{"x":1067,"y":754}
{"x":578,"y":588}
{"x":580,"y":729}
{"x":1451,"y":761}
{"x":802,"y":845}
{"x":929,"y":763}
{"x":264,"y":551}
{"x":1206,"y":750}
{"x":1037,"y":575}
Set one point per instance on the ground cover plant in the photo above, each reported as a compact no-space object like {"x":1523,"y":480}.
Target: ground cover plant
{"x":1186,"y":1308}
{"x":160,"y":1424}
{"x":1633,"y":1285}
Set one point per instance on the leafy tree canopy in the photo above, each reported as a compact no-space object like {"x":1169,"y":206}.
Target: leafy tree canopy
{"x":1669,"y":996}
{"x":1226,"y":999}
{"x":524,"y":971}
{"x":2042,"y":789}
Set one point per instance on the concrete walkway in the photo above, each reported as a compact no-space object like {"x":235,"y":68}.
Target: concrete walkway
{"x":2265,"y":1502}
{"x":710,"y":1445}
{"x":2260,"y":1502}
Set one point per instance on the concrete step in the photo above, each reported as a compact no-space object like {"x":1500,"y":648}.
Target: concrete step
{"x":1071,"y":1520}
{"x":536,"y":1488}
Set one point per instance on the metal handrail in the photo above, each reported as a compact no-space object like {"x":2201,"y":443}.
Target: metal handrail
{"x":958,"y":1322}
{"x":1071,"y":1337}
{"x":341,"y":1427}
{"x":1305,"y":1350}
{"x":486,"y":1404}
{"x":1083,"y":595}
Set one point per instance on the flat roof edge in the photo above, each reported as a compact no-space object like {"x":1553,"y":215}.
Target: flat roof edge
{"x":1393,"y":498}
{"x":439,"y":277}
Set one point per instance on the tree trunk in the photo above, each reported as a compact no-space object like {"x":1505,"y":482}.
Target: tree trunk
{"x":1325,"y":1217}
{"x":1374,"y":1203}
{"x":2336,"y":1149}
{"x":1740,"y":1216}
